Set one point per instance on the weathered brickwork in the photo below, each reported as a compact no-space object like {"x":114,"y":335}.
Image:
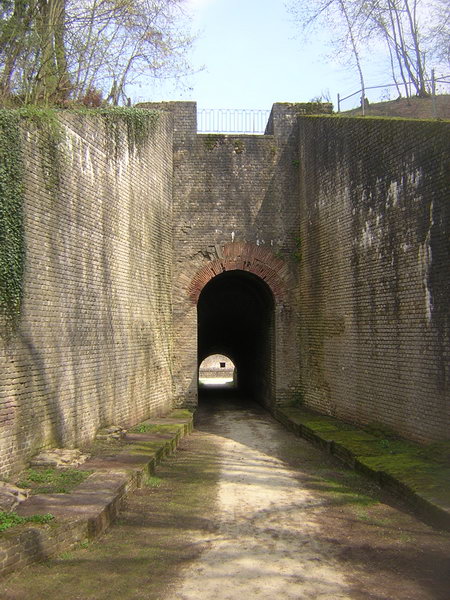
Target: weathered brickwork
{"x":326,"y":239}
{"x":235,"y":208}
{"x":94,"y":343}
{"x":374,"y":272}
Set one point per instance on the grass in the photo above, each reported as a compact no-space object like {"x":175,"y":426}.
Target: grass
{"x":363,"y":515}
{"x":52,"y":480}
{"x":344,"y":485}
{"x":424,"y":469}
{"x":11,"y":519}
{"x":148,"y":546}
{"x":152,"y":428}
{"x":153,"y":481}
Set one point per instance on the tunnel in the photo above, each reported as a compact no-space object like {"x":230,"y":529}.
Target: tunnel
{"x":236,"y":318}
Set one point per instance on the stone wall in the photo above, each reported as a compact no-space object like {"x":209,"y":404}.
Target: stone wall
{"x":374,"y":272}
{"x":94,"y":341}
{"x":216,"y":365}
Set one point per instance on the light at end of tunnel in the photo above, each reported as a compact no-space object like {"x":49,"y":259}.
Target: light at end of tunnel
{"x":215,"y":380}
{"x":217,"y":369}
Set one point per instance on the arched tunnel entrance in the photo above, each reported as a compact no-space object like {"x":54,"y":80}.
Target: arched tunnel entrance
{"x":236,"y":318}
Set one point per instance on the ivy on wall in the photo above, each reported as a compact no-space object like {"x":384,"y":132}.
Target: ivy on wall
{"x":50,"y":142}
{"x":139,"y":125}
{"x":12,"y":246}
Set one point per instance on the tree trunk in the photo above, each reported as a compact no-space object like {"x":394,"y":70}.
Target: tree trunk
{"x":53,"y":80}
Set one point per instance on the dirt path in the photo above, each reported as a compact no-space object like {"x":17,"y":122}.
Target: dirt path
{"x":246,"y":510}
{"x":266,"y":546}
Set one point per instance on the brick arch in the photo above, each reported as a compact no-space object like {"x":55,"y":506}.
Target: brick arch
{"x":244,"y":256}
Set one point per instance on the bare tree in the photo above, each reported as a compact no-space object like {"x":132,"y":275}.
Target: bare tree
{"x":52,"y":83}
{"x":126,"y":41}
{"x":438,"y":35}
{"x":411,"y":30}
{"x":398,"y":23}
{"x":346,"y":21}
{"x":16,"y":19}
{"x":53,"y":51}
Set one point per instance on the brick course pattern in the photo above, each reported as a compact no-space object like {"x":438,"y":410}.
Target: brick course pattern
{"x":94,"y":343}
{"x":374,"y":273}
{"x":346,"y":221}
{"x":235,"y":207}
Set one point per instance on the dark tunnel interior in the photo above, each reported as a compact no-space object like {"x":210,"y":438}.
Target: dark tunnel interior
{"x":236,"y":318}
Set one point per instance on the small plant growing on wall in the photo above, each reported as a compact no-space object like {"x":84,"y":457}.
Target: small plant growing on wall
{"x":238,"y":146}
{"x":212,"y":140}
{"x":298,"y":249}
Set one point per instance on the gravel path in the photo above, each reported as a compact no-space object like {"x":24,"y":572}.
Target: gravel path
{"x":282,"y":532}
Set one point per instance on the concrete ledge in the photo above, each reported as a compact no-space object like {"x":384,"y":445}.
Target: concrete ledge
{"x":91,"y":508}
{"x":399,"y":466}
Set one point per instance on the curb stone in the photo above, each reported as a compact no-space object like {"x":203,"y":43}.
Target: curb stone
{"x":93,"y":505}
{"x":430,"y":500}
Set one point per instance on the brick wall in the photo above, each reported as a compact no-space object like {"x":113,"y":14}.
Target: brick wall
{"x":374,"y":272}
{"x":94,"y":343}
{"x":235,"y":207}
{"x":340,"y":226}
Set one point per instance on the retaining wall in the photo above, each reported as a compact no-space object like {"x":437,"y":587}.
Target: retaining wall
{"x":374,"y":272}
{"x":93,"y":345}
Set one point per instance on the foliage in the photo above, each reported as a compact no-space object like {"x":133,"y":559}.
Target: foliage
{"x":12,"y":247}
{"x":142,"y":428}
{"x":410,"y":31}
{"x":213,"y":140}
{"x":11,"y":519}
{"x":32,"y":49}
{"x":50,"y":138}
{"x":154,"y":428}
{"x":139,"y":124}
{"x":54,"y":52}
{"x":153,"y":481}
{"x":238,"y":146}
{"x":298,"y":249}
{"x":52,"y":480}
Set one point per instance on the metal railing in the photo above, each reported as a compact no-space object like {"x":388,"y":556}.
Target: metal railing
{"x":232,"y":120}
{"x":445,"y":79}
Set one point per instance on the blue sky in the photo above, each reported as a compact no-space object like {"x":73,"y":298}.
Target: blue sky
{"x":253,"y":57}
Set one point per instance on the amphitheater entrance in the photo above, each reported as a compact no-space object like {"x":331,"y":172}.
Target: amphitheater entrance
{"x":236,"y":319}
{"x":217,"y":370}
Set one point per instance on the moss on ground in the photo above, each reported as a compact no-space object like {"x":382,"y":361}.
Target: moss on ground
{"x":421,"y":469}
{"x":158,"y":428}
{"x":43,"y":480}
{"x":153,"y":539}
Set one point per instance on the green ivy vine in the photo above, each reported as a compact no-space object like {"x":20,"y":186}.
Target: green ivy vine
{"x":50,"y":138}
{"x":12,"y":245}
{"x":139,"y":124}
